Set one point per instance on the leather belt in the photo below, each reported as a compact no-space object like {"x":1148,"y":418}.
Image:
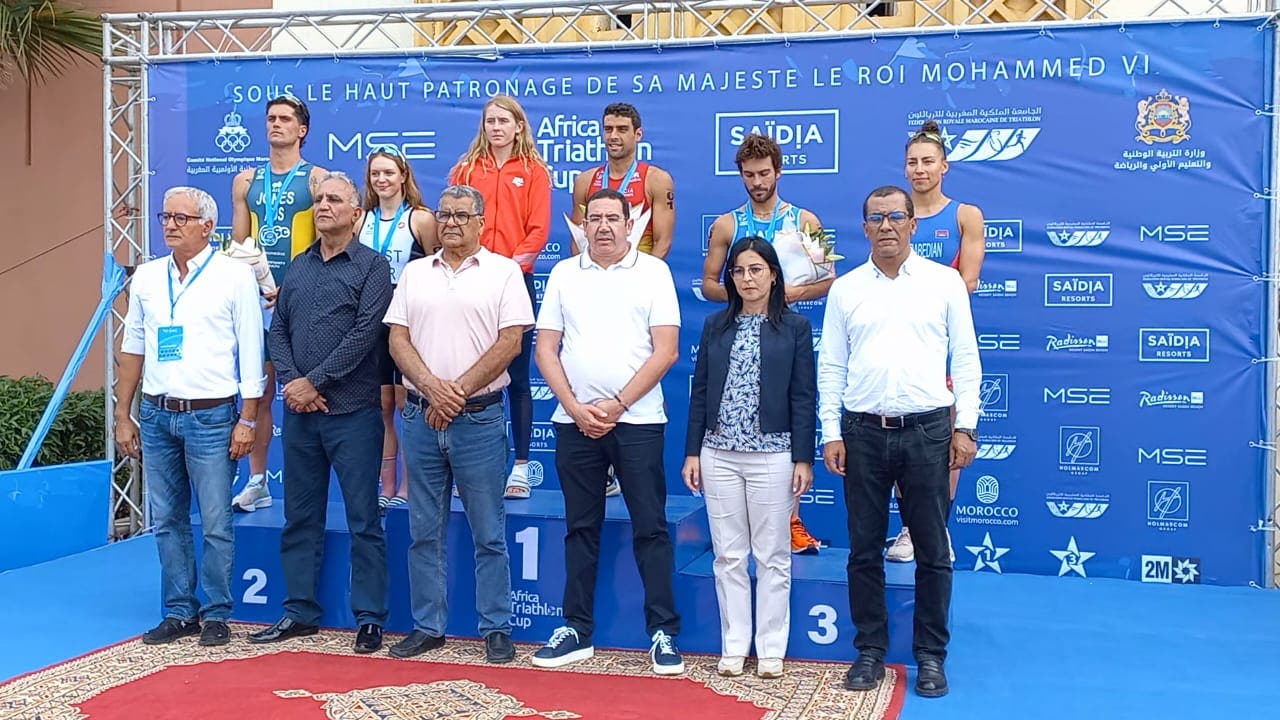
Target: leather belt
{"x":897,"y":423}
{"x":173,"y":404}
{"x":474,"y":404}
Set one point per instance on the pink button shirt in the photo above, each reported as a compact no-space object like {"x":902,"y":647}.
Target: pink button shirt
{"x":454,"y":316}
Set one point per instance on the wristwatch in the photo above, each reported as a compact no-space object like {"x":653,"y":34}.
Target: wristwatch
{"x":971,"y":432}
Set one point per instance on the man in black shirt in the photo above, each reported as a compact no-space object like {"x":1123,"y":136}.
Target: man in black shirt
{"x":324,"y":341}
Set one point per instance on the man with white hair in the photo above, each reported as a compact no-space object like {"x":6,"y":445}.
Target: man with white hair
{"x":193,"y":336}
{"x":326,"y":340}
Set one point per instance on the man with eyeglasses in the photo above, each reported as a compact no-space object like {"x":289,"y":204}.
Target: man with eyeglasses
{"x":326,"y":340}
{"x":759,"y":160}
{"x":193,"y":336}
{"x":608,"y":331}
{"x":891,"y":325}
{"x":456,"y":322}
{"x":272,"y":205}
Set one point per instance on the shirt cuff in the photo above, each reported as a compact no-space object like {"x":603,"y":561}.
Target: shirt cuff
{"x":966,"y":419}
{"x":133,"y":347}
{"x":831,"y":431}
{"x":253,"y":389}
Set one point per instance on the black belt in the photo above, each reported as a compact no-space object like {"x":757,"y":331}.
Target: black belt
{"x":473,"y":404}
{"x":173,"y":404}
{"x":899,"y":422}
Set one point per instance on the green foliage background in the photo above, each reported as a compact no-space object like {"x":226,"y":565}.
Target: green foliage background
{"x":78,"y":433}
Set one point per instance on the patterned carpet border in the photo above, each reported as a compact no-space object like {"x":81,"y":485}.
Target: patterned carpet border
{"x":808,"y":690}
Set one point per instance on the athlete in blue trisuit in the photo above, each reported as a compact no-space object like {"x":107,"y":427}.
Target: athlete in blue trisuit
{"x":271,"y":205}
{"x":759,"y":161}
{"x":948,"y":232}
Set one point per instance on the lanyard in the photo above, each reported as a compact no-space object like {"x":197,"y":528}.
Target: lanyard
{"x":626,"y":179}
{"x":382,"y":247}
{"x":173,"y":301}
{"x":271,"y":202}
{"x":773,"y":219}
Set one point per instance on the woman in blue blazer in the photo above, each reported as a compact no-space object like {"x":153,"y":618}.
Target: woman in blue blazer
{"x":749,"y":449}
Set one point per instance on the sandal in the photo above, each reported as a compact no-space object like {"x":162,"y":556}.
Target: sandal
{"x":517,"y":489}
{"x":396,"y":502}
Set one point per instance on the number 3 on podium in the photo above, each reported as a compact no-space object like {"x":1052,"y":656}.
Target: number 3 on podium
{"x":826,"y":632}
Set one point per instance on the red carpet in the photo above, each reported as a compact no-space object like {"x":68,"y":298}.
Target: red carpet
{"x":319,"y":677}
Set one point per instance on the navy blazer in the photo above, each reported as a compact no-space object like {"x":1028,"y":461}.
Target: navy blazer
{"x":788,"y":381}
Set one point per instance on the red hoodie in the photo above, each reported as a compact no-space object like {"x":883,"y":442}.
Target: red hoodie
{"x":517,"y":206}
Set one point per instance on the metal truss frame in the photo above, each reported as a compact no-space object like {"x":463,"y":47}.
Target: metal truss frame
{"x":131,"y":42}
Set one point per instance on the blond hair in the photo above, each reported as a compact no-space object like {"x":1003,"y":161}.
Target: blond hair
{"x":525,"y":148}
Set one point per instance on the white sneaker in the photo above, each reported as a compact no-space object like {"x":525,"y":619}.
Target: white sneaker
{"x":730,"y":665}
{"x":255,"y":496}
{"x":769,"y":668}
{"x":612,"y":488}
{"x":902,"y":551}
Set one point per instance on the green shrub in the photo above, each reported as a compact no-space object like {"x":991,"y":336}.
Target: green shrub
{"x":78,"y":433}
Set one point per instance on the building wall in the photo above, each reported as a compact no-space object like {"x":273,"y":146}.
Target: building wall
{"x":46,"y":301}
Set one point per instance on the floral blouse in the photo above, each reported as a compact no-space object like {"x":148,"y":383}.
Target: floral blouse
{"x":738,"y":426}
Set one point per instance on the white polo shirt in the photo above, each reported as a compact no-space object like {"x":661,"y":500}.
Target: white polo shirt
{"x":606,"y":315}
{"x":221,"y":328}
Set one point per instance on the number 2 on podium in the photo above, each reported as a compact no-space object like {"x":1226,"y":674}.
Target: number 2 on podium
{"x":257,"y":581}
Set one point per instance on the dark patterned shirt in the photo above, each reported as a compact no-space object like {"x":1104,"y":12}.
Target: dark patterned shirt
{"x":738,"y":427}
{"x":328,"y":325}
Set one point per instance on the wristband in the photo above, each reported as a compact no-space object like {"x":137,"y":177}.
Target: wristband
{"x":624,"y":405}
{"x":251,"y":424}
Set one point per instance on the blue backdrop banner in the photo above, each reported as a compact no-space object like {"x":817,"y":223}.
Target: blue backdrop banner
{"x":1121,"y":171}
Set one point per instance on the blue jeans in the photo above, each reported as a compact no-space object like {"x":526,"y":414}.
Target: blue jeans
{"x":471,"y":452}
{"x":182,"y":451}
{"x":351,"y":445}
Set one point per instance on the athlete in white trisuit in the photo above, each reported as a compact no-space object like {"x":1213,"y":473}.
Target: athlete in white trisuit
{"x":948,"y":232}
{"x":759,"y":161}
{"x":272,"y":205}
{"x":397,"y":225}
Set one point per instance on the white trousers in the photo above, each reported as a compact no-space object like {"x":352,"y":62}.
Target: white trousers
{"x":749,"y":503}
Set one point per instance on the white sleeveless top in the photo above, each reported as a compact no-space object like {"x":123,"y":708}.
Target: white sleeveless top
{"x":400,"y":247}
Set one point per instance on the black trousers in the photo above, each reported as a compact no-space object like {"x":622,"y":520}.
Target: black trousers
{"x":917,"y":459}
{"x":519,"y":395}
{"x":635,"y":451}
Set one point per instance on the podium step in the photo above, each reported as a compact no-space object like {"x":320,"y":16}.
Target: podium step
{"x":820,"y":625}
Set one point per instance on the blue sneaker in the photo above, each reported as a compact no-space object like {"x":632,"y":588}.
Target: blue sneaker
{"x":563,"y":648}
{"x":665,"y":654}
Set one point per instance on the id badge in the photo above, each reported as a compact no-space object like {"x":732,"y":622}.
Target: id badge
{"x":169,"y":343}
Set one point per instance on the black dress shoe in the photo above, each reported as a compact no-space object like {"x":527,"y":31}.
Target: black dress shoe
{"x":931,"y":681}
{"x":285,"y":628}
{"x":498,"y":648}
{"x":369,"y":639}
{"x":170,"y":629}
{"x":416,"y":643}
{"x":865,"y":674}
{"x":215,"y":633}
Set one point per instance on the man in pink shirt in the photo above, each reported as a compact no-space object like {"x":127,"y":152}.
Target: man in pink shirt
{"x":456,"y":322}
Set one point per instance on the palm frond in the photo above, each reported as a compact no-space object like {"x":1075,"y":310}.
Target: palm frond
{"x":41,"y":39}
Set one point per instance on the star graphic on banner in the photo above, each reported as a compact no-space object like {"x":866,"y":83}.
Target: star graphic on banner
{"x":1161,"y":287}
{"x":1072,"y":558}
{"x":1185,"y":571}
{"x":987,"y":555}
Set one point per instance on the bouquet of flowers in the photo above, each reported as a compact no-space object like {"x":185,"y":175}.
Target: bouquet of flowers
{"x":807,"y":255}
{"x":248,"y":252}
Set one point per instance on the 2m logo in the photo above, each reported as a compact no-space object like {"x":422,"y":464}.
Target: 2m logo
{"x":1157,"y":569}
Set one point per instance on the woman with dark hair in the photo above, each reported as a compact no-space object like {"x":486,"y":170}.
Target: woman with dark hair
{"x":948,"y":232}
{"x":749,"y":448}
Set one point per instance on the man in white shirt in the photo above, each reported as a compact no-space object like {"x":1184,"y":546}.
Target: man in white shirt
{"x":457,"y":319}
{"x":193,"y":335}
{"x":889,"y":328}
{"x":609,"y":329}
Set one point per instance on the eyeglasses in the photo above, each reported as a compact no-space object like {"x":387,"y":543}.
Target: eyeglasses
{"x":897,"y":217}
{"x":391,"y":150}
{"x":178,"y":219}
{"x":598,"y":219}
{"x":738,"y":272}
{"x":461,"y":218}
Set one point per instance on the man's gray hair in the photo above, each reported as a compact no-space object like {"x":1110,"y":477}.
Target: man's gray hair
{"x":345,"y":179}
{"x":203,"y":200}
{"x":468,"y":193}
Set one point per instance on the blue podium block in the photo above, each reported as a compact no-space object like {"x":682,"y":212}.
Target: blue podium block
{"x":821,"y":626}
